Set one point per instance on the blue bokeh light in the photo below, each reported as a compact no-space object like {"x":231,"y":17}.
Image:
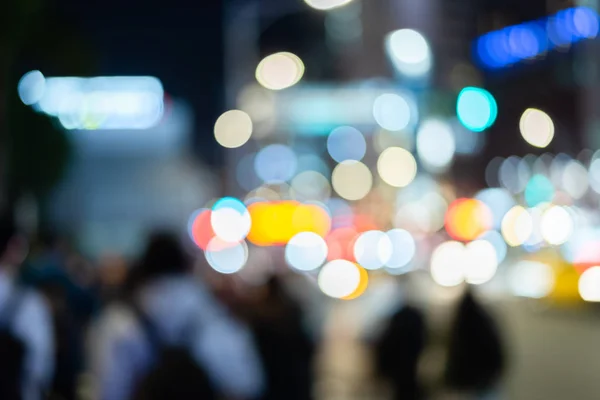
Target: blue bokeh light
{"x":510,"y":45}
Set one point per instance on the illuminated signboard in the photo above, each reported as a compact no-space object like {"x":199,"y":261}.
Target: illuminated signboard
{"x":116,"y":102}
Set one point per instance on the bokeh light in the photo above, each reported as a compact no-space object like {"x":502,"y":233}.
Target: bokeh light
{"x":327,"y":4}
{"x":382,"y":139}
{"x":311,"y":185}
{"x":306,"y":251}
{"x":556,"y":225}
{"x":280,"y":71}
{"x":594,"y":175}
{"x":535,"y":241}
{"x":341,"y":213}
{"x":575,"y":179}
{"x":526,"y":41}
{"x":339,"y":278}
{"x":373,"y":249}
{"x":397,"y":167}
{"x":435,"y":145}
{"x":352,"y":180}
{"x":409,"y":52}
{"x":447,"y":268}
{"x":233,"y":129}
{"x":476,"y":108}
{"x":403,"y":248}
{"x":499,"y":201}
{"x":536,"y":128}
{"x":276,"y":163}
{"x":467,"y":219}
{"x":346,"y":143}
{"x":514,"y":174}
{"x":226,"y":258}
{"x":480,"y":262}
{"x":276,"y":223}
{"x":589,"y":284}
{"x":362,"y":286}
{"x":103,"y":102}
{"x":230,"y":220}
{"x":531,"y":279}
{"x":517,"y":226}
{"x":31,"y":87}
{"x":393,"y":112}
{"x":539,"y":190}
{"x":261,"y":107}
{"x":496,"y":240}
{"x":200,"y":228}
{"x":245,"y":174}
{"x":340,"y":242}
{"x":312,"y":162}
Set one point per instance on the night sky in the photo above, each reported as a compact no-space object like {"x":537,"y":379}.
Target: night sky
{"x":179,"y":41}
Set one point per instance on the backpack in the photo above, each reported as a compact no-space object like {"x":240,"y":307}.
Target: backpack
{"x":12,"y":351}
{"x":175,"y":374}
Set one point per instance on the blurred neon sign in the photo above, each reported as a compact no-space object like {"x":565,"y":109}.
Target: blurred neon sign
{"x":513,"y":44}
{"x":115,"y":102}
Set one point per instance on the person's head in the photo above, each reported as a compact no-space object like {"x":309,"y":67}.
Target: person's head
{"x":13,"y":246}
{"x":163,"y":256}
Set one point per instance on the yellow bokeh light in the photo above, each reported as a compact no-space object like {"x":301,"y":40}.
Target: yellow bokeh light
{"x":397,"y":167}
{"x":536,"y":127}
{"x":517,"y":226}
{"x":276,"y":223}
{"x":233,"y":129}
{"x":352,"y":180}
{"x":280,"y":71}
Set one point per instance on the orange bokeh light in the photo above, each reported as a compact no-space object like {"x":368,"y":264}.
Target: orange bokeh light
{"x":340,"y":243}
{"x":362,"y":287}
{"x":467,"y":219}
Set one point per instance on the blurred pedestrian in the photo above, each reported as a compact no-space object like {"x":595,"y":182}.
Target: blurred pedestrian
{"x":286,"y":349}
{"x":26,"y":338}
{"x":476,"y":357}
{"x":172,"y":339}
{"x":398,"y":351}
{"x":71,"y":306}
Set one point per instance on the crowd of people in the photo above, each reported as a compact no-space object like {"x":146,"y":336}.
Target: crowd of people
{"x":154,"y":330}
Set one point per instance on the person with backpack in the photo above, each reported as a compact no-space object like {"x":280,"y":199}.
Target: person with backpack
{"x":171,"y":339}
{"x":26,"y":333}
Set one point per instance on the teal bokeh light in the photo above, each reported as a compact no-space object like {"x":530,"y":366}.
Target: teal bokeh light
{"x":476,"y":108}
{"x":539,"y":190}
